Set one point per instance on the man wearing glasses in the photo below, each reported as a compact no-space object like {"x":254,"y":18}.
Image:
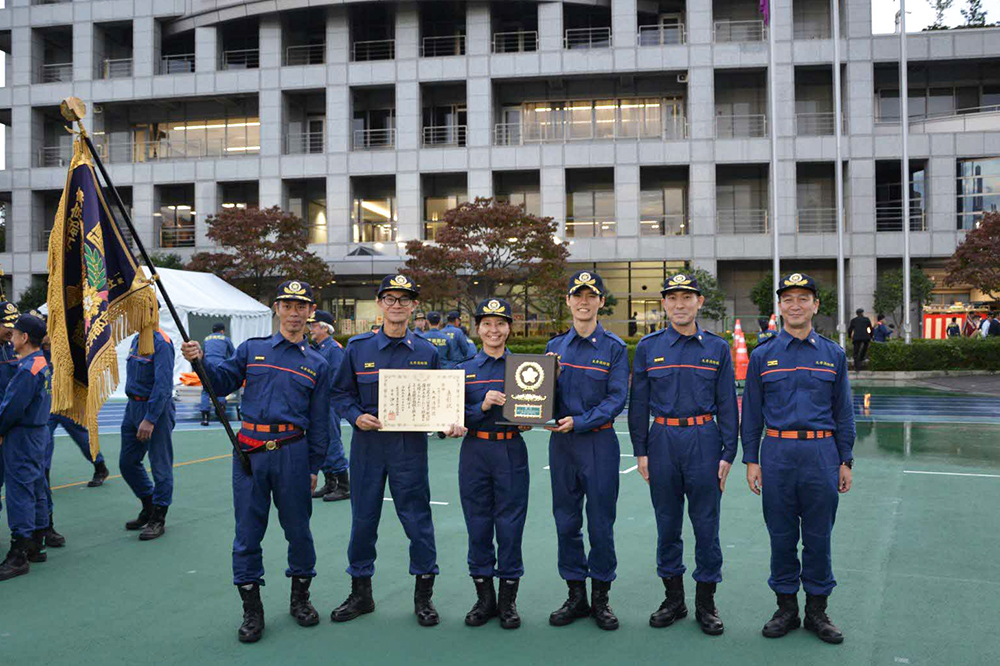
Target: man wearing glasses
{"x":399,"y":457}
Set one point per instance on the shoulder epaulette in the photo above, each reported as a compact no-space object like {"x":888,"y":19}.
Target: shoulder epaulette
{"x":361,"y":336}
{"x":615,"y":337}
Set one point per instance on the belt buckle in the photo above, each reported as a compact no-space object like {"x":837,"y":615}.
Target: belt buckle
{"x":271,"y":445}
{"x":803,"y":434}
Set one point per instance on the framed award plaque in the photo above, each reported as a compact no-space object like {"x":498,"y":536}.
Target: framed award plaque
{"x":530,"y":386}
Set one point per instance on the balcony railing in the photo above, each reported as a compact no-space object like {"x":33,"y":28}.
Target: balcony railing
{"x":889,"y":215}
{"x":739,"y":31}
{"x":515,"y":42}
{"x":303,"y":143}
{"x":151,"y":151}
{"x":972,"y":119}
{"x":56,"y":72}
{"x":181,"y":63}
{"x":519,"y":134}
{"x":54,"y":156}
{"x":741,"y":127}
{"x":817,"y":220}
{"x":305,"y":54}
{"x":590,"y":227}
{"x":817,"y":124}
{"x":811,"y":31}
{"x":664,"y":225}
{"x":379,"y":49}
{"x":443,"y":46}
{"x":374,"y":139}
{"x":742,"y":221}
{"x":661,"y":35}
{"x":241,"y":59}
{"x":42,"y":240}
{"x":120,"y":68}
{"x":587,"y":38}
{"x":445,"y":135}
{"x":177,"y":236}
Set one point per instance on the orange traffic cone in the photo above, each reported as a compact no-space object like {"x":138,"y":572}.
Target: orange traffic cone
{"x":772,"y":325}
{"x":741,"y":359}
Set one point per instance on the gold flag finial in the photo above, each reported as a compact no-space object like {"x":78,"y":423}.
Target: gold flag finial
{"x":73,"y":109}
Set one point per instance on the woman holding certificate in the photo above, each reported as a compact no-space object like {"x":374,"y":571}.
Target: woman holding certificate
{"x":492,"y":474}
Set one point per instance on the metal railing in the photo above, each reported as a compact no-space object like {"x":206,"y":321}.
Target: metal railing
{"x":119,"y":68}
{"x":373,"y":139}
{"x":55,"y":72}
{"x":587,"y":38}
{"x":739,"y":31}
{"x":515,"y":42}
{"x":889,"y":215}
{"x":241,"y":59}
{"x":181,"y":63}
{"x":741,"y":127}
{"x":49,"y":2}
{"x":177,"y":236}
{"x":42,"y":240}
{"x":811,"y":31}
{"x":50,"y":156}
{"x":742,"y":221}
{"x":443,"y":46}
{"x":664,"y":225}
{"x":817,"y":124}
{"x":152,"y":151}
{"x":378,"y":49}
{"x":519,"y":134}
{"x":304,"y":143}
{"x":662,"y":35}
{"x":444,"y":135}
{"x":305,"y":54}
{"x":817,"y":220}
{"x":590,"y":227}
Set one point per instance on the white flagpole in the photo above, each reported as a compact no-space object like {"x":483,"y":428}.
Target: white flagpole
{"x":839,"y":177}
{"x":773,"y":175}
{"x":904,"y":123}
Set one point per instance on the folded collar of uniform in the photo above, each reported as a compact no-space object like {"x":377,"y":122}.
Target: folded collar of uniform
{"x":481,"y":357}
{"x":278,"y":338}
{"x":384,"y":340}
{"x":594,"y":337}
{"x":673,"y":335}
{"x":786,"y":338}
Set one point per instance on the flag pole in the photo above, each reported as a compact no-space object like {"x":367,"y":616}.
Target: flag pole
{"x":73,"y":110}
{"x":904,"y":124}
{"x":838,"y":173}
{"x":773,"y":167}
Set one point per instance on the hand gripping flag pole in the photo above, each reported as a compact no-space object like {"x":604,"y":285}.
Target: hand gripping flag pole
{"x":73,"y":109}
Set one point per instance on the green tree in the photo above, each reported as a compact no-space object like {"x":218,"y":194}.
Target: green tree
{"x":714,"y":308}
{"x":34,"y":296}
{"x":762,"y":295}
{"x":888,"y":296}
{"x":939,"y":7}
{"x":167,"y":260}
{"x":974,"y":14}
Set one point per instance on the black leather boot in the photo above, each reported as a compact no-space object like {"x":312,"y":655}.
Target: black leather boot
{"x":574,"y":607}
{"x":485,"y":607}
{"x":341,"y":490}
{"x":673,"y":607}
{"x":785,"y":619}
{"x":300,"y":607}
{"x":52,"y":538}
{"x":253,"y":614}
{"x":38,"y":553}
{"x":157,"y":524}
{"x":507,"y":604}
{"x":818,"y":622}
{"x":599,"y":607}
{"x":16,"y":564}
{"x":204,"y":418}
{"x":101,"y":474}
{"x":144,"y":515}
{"x":705,"y":611}
{"x":329,"y":484}
{"x":358,"y":602}
{"x":423,"y":607}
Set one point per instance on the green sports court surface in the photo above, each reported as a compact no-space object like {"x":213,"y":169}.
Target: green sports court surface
{"x":915,"y":554}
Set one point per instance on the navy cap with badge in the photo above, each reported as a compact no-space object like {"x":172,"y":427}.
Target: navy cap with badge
{"x":494,"y":307}
{"x":588,"y":279}
{"x":418,"y":315}
{"x":398,"y":283}
{"x":33,"y":326}
{"x":295,"y":290}
{"x":433,"y":318}
{"x":8,"y":314}
{"x":680,"y":282}
{"x":218,"y":327}
{"x":322,"y":317}
{"x":796,"y":281}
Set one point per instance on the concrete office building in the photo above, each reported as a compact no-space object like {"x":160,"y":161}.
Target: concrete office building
{"x":642,"y":126}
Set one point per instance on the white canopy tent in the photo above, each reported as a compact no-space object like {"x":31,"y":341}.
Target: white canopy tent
{"x":202,"y":294}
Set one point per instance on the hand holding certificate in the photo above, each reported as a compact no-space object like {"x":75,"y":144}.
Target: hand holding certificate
{"x":421,"y":400}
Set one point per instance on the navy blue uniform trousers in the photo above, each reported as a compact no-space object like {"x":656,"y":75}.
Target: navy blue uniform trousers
{"x":161,"y":453}
{"x":23,"y":453}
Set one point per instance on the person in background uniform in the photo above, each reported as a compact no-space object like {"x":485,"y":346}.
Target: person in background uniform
{"x":798,"y":393}
{"x":881,"y":332}
{"x":492,"y":474}
{"x":473,"y":350}
{"x":419,"y":322}
{"x":683,"y":377}
{"x":860,"y":333}
{"x":286,"y":400}
{"x":24,"y":436}
{"x":219,"y":347}
{"x":954,"y":330}
{"x":461,"y":350}
{"x":337,"y":484}
{"x":8,"y":359}
{"x":437,"y":337}
{"x":971,"y":325}
{"x":583,"y":451}
{"x":399,"y":457}
{"x":994,"y":330}
{"x":147,"y":427}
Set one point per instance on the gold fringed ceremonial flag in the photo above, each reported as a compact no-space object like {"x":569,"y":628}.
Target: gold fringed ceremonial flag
{"x":97,"y":297}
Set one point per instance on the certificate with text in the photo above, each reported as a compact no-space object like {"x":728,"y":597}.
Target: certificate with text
{"x":420,"y":400}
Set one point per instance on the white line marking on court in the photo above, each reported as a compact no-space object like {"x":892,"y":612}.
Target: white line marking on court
{"x":985,"y":476}
{"x":546,"y":467}
{"x":630,"y":469}
{"x":389,"y":499}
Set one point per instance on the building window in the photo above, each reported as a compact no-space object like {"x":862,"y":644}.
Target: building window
{"x":590,"y":214}
{"x":434,"y":209}
{"x":176,"y":216}
{"x":978,"y":190}
{"x":374,"y":220}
